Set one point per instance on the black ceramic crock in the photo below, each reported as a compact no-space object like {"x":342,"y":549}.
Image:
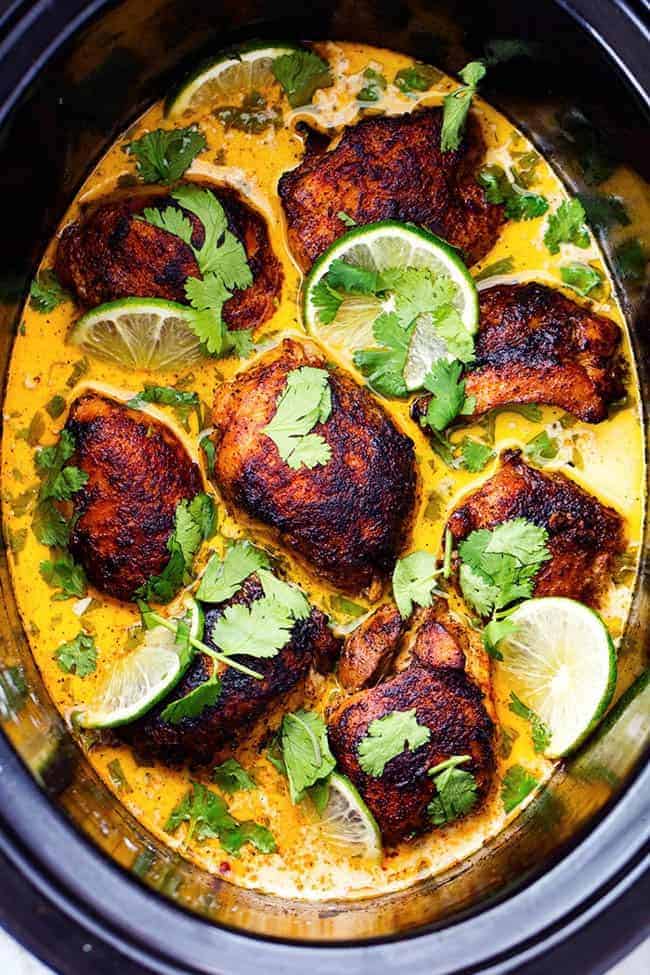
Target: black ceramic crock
{"x":83,"y":886}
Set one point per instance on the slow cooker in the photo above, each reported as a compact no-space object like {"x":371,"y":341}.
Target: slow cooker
{"x":84,"y":887}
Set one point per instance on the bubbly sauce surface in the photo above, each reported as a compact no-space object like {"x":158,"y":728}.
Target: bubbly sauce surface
{"x":607,"y":459}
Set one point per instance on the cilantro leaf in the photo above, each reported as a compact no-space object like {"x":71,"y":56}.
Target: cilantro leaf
{"x":326,"y":300}
{"x":193,"y":523}
{"x":285,"y":594}
{"x":581,"y":277}
{"x":59,"y":483}
{"x":417,"y":77}
{"x":387,"y":737}
{"x":231,"y":777}
{"x":515,"y":786}
{"x":414,"y":581}
{"x":49,"y":525}
{"x":193,"y":704}
{"x":477,"y":589}
{"x":305,"y":402}
{"x":172,"y":220}
{"x":540,"y":732}
{"x":457,"y":104}
{"x":475,"y":455}
{"x":207,"y":816}
{"x":567,"y":226}
{"x":383,"y":367}
{"x":344,"y":217}
{"x":77,"y":656}
{"x":56,"y":406}
{"x":542,"y":448}
{"x":239,"y":342}
{"x":162,"y":156}
{"x":456,"y":791}
{"x":588,"y":145}
{"x":520,"y":204}
{"x":222,"y":579}
{"x":64,"y":573}
{"x":301,"y":73}
{"x":631,"y":259}
{"x":493,"y":633}
{"x":504,"y":266}
{"x":64,"y":483}
{"x":209,"y":451}
{"x":46,"y":292}
{"x":342,"y":276}
{"x":371,"y":92}
{"x":448,"y":400}
{"x":305,"y":751}
{"x":496,"y":184}
{"x":260,"y":630}
{"x":181,"y":401}
{"x":604,"y":211}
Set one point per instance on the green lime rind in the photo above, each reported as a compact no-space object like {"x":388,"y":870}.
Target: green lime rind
{"x":572,"y":668}
{"x":348,"y":823}
{"x":179,"y":99}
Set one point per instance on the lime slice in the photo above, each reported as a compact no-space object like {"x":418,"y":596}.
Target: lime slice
{"x":561,"y":662}
{"x":139,"y":333}
{"x":138,"y":681}
{"x":347,"y":823}
{"x":377,"y":247}
{"x":230,"y":75}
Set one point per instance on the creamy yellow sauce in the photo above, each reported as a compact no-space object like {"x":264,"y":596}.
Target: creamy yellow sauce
{"x":608,"y":460}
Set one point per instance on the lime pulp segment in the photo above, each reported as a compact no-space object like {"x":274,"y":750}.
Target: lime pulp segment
{"x":347,"y":823}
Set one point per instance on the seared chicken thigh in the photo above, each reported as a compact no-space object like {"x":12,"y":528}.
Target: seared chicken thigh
{"x":446,"y":700}
{"x":391,"y":168}
{"x":112,"y":253}
{"x":242,"y":700}
{"x":534,"y":345}
{"x":369,"y":650}
{"x":585,"y":535}
{"x":345,"y":519}
{"x":138,"y":471}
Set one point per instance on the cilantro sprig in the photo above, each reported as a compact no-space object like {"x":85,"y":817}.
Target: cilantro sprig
{"x":208,"y":817}
{"x":567,"y":226}
{"x":520,"y":203}
{"x":193,"y":523}
{"x":447,"y":387}
{"x":456,"y":791}
{"x":183,"y":402}
{"x":416,"y":78}
{"x":306,"y":758}
{"x":305,"y":401}
{"x":46,"y":292}
{"x":388,"y":737}
{"x":162,"y":156}
{"x":457,"y":105}
{"x":517,"y":783}
{"x":223,"y":577}
{"x":231,"y":777}
{"x":301,"y":73}
{"x":77,"y":656}
{"x":541,"y":735}
{"x":414,"y":581}
{"x":581,"y":277}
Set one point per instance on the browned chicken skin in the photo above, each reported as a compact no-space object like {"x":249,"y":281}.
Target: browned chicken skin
{"x":585,"y":535}
{"x":346,"y":519}
{"x":447,"y":701}
{"x":111,"y":254}
{"x":534,"y":345}
{"x":242,"y":700}
{"x":369,"y":650}
{"x":391,"y":168}
{"x":138,"y":471}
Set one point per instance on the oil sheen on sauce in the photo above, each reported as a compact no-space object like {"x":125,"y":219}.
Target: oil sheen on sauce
{"x":607,"y":459}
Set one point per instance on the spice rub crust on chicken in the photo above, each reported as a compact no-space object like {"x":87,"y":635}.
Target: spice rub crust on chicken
{"x":391,"y":168}
{"x":138,"y":471}
{"x":369,"y":650}
{"x":112,"y":253}
{"x":449,"y":702}
{"x":584,"y":535}
{"x":345,"y":520}
{"x":243,"y":699}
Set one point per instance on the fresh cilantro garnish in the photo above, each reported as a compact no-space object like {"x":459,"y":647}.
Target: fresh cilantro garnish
{"x":504,"y":266}
{"x":60,"y":481}
{"x":448,"y":398}
{"x":494,"y":632}
{"x":78,"y":656}
{"x":567,"y":226}
{"x":209,"y":452}
{"x":417,"y":292}
{"x":346,"y":219}
{"x":456,"y":791}
{"x":414,"y":581}
{"x":305,"y":401}
{"x":301,"y":73}
{"x":63,"y":572}
{"x":542,"y":448}
{"x":499,"y":565}
{"x":417,"y":77}
{"x":222,"y":578}
{"x":162,"y":156}
{"x":517,"y":783}
{"x":231,"y":777}
{"x":46,"y":292}
{"x":222,"y":261}
{"x":631,"y":259}
{"x":475,"y":455}
{"x":306,"y":755}
{"x":383,"y":367}
{"x":520,"y":204}
{"x":263,"y":628}
{"x":79,"y":370}
{"x":193,"y":523}
{"x":387,"y":737}
{"x":457,"y":105}
{"x":56,"y":406}
{"x":193,"y":704}
{"x":540,"y":733}
{"x":588,"y":144}
{"x":182,"y":401}
{"x":604,"y":210}
{"x":524,"y":172}
{"x":581,"y":277}
{"x":207,"y":816}
{"x":117,"y":776}
{"x":375,"y":85}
